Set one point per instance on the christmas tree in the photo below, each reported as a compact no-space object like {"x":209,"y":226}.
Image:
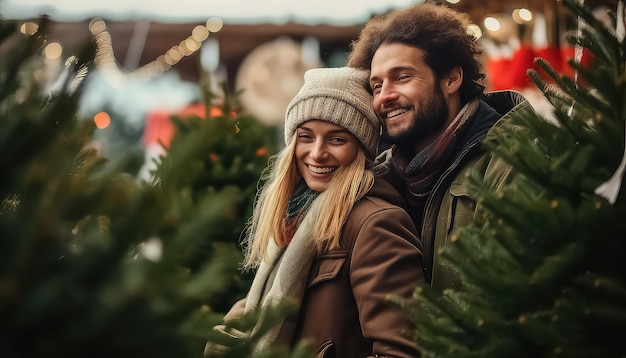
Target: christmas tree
{"x":543,"y":269}
{"x":222,"y":151}
{"x":93,"y":261}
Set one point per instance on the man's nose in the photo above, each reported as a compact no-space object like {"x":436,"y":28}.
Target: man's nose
{"x":387,"y":92}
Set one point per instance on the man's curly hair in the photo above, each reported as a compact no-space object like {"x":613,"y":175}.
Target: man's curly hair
{"x":440,"y":32}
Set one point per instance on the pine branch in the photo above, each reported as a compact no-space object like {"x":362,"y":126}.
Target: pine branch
{"x":541,"y":266}
{"x":88,"y":254}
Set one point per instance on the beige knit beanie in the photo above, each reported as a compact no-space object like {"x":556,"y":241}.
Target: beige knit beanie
{"x":339,"y":96}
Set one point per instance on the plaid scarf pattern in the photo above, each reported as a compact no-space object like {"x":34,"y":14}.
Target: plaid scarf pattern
{"x":298,"y":206}
{"x":423,"y":170}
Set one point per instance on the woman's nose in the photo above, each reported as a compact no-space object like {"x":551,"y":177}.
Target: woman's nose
{"x":318,"y":151}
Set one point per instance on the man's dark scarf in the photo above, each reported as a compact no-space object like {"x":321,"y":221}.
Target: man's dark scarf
{"x":423,"y":170}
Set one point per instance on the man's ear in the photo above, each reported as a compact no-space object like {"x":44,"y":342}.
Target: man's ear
{"x":454,"y":79}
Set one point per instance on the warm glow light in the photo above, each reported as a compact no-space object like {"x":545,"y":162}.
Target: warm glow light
{"x":105,"y":58}
{"x":29,"y":28}
{"x":161,"y":63}
{"x":192,"y":44}
{"x":515,"y":16}
{"x":525,"y":14}
{"x":53,"y":50}
{"x":96,"y":26}
{"x":174,"y":53}
{"x":102,"y":120}
{"x":475,"y":30}
{"x":214,"y":24}
{"x":453,"y":1}
{"x":161,"y":60}
{"x":183,"y":49}
{"x":200,"y":33}
{"x":168,"y":59}
{"x":491,"y":23}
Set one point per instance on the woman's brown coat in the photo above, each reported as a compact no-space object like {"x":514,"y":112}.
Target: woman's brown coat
{"x":345,"y":311}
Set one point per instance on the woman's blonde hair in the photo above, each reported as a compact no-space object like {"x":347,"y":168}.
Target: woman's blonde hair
{"x":349,"y":184}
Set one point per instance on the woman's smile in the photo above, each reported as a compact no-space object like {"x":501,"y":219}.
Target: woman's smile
{"x":322,"y":148}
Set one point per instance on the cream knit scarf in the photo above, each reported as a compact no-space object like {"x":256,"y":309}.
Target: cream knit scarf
{"x":286,"y":273}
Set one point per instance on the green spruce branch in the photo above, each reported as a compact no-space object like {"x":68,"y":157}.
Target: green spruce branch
{"x":542,"y":268}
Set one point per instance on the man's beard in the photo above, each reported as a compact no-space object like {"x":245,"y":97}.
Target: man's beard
{"x":429,"y":120}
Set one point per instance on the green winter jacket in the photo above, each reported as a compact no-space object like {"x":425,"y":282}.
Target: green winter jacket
{"x":452,"y":204}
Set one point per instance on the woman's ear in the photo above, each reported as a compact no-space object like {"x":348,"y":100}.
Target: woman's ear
{"x":454,"y":79}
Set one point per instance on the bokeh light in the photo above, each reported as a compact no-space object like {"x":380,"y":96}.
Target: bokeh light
{"x":102,"y":120}
{"x":475,"y":30}
{"x":491,"y":23}
{"x":29,"y":28}
{"x":214,"y":24}
{"x":53,"y":50}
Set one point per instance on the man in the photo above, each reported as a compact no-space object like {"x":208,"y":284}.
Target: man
{"x":426,"y":81}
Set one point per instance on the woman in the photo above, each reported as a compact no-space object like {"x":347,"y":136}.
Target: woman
{"x":326,"y":235}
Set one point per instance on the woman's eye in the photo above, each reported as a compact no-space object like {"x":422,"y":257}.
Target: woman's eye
{"x":337,"y":139}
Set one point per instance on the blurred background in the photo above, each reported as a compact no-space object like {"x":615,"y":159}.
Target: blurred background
{"x":152,"y":54}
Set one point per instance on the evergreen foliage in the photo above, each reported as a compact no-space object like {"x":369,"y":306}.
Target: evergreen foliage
{"x":92,"y":261}
{"x":211,"y":155}
{"x":543,"y":271}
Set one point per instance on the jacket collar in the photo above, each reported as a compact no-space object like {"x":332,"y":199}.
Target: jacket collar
{"x":383,"y":189}
{"x":492,"y":112}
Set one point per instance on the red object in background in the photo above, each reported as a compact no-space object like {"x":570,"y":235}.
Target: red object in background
{"x":497,"y":70}
{"x":521,"y":62}
{"x":159,"y":126}
{"x":510,"y":73}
